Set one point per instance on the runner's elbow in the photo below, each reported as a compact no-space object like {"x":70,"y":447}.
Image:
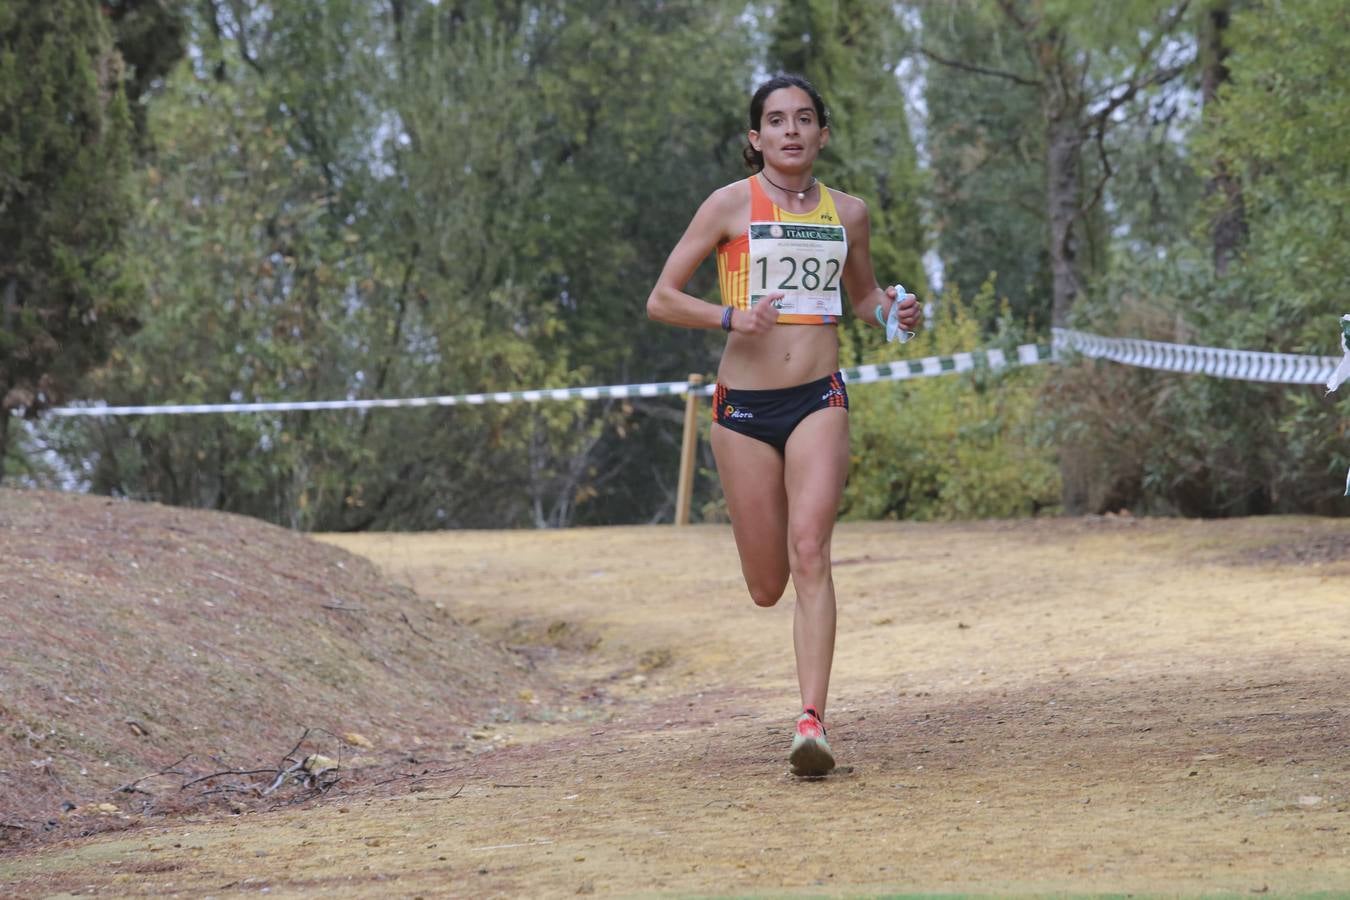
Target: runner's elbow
{"x":656,"y":305}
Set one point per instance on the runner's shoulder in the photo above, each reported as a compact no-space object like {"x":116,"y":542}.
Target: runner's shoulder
{"x":730,"y":206}
{"x":852,"y":210}
{"x":731,"y":197}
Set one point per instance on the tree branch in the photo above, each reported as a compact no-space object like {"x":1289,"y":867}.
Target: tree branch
{"x":1097,"y":121}
{"x":1010,"y":11}
{"x":1107,"y":173}
{"x":1134,"y":83}
{"x":979,"y":70}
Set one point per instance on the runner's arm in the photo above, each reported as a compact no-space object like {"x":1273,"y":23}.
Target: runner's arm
{"x":860,"y":280}
{"x":668,"y":302}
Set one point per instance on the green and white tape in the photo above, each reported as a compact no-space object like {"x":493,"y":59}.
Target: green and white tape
{"x":533,"y":396}
{"x":928,"y":367}
{"x":1241,"y":365}
{"x":1245,"y":365}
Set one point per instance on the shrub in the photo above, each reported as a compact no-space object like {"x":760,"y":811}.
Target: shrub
{"x":962,"y":446}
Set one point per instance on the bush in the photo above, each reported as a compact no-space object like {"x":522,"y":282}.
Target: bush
{"x":962,"y":446}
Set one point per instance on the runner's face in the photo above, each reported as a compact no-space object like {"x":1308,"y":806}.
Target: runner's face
{"x":790,"y":135}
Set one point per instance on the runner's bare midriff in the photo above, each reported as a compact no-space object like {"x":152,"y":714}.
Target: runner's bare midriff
{"x":785,"y":357}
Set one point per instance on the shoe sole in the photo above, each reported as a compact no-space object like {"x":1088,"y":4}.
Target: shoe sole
{"x":811,"y":758}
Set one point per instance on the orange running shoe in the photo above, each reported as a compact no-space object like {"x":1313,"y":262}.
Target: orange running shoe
{"x":810,"y":754}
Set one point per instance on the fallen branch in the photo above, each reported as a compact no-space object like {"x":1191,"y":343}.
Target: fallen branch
{"x":231,"y":789}
{"x":282,"y":776}
{"x":189,"y":784}
{"x":130,"y":786}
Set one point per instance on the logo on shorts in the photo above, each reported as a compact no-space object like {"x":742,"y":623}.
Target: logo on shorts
{"x":832,"y":392}
{"x":734,"y":413}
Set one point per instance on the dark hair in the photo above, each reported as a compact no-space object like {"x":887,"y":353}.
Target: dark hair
{"x":754,"y":160}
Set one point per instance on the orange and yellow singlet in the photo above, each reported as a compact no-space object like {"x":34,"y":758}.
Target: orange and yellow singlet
{"x":800,"y":254}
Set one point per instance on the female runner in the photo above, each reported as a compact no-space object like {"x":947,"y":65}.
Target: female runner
{"x":785,"y":246}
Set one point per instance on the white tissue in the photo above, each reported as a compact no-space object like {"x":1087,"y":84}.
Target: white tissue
{"x":1343,"y":370}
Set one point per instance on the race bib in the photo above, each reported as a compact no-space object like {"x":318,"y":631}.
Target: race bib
{"x":803,"y":260}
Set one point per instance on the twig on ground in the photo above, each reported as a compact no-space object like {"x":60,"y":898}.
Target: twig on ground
{"x":232,"y":789}
{"x":189,"y":784}
{"x":304,"y":735}
{"x":409,"y":623}
{"x":130,"y":786}
{"x":282,"y":776}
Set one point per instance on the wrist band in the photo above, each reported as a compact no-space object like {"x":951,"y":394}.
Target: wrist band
{"x":881,"y":320}
{"x":726,"y":318}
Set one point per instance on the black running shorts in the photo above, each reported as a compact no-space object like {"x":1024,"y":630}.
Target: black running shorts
{"x":770,"y":416}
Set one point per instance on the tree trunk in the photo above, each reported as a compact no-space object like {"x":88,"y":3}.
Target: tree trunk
{"x":1062,"y":102}
{"x":9,"y":305}
{"x":1064,"y":144}
{"x":4,"y":440}
{"x":1228,"y":231}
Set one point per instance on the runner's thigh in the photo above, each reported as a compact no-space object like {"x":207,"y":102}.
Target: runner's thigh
{"x":752,"y":480}
{"x":816,"y":467}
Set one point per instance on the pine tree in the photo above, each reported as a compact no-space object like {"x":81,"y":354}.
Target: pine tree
{"x":65,"y":158}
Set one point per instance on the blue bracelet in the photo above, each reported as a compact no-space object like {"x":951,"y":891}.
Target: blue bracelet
{"x":726,"y":318}
{"x":881,"y":320}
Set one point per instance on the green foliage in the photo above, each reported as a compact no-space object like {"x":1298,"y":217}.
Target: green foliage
{"x":65,"y":157}
{"x":986,"y":143}
{"x":1194,"y":445}
{"x":1285,"y":119}
{"x":339,"y":198}
{"x":345,"y":203}
{"x":849,"y":49}
{"x":955,"y":447}
{"x":151,"y":38}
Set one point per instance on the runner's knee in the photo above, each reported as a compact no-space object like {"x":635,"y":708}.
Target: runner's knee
{"x":810,"y":556}
{"x":767,"y":594}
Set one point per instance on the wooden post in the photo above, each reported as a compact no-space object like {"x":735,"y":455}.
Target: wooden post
{"x":688,"y":449}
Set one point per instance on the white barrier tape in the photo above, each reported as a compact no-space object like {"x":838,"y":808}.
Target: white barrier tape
{"x":1247,"y":365}
{"x":1343,"y":370}
{"x":532,"y":396}
{"x":1244,"y":365}
{"x":893,"y":371}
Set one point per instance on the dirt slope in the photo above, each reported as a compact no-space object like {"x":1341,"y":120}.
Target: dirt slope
{"x":1050,"y":706}
{"x":133,"y":635}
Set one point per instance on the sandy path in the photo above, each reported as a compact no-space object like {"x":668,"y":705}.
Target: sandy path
{"x":1143,"y":706}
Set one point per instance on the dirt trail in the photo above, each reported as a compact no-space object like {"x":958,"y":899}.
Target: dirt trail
{"x":1085,"y":706}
